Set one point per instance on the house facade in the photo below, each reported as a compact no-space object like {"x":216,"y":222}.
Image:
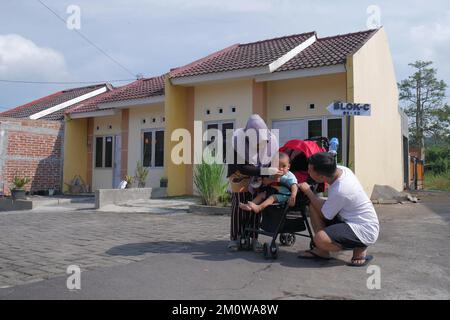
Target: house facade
{"x":289,"y":81}
{"x":106,"y":136}
{"x":31,"y":139}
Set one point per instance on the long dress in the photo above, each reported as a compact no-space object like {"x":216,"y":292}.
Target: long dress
{"x":239,"y":193}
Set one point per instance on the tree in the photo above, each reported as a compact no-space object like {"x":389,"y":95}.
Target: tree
{"x":439,"y":127}
{"x":423,"y":96}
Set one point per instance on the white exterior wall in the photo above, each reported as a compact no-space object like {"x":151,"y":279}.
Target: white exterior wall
{"x":135,"y":131}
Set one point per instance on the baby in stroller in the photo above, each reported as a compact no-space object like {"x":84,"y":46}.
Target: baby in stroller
{"x":277,"y":189}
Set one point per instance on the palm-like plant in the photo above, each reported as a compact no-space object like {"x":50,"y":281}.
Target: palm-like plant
{"x":129,"y":180}
{"x":210,"y":183}
{"x":141,"y":174}
{"x":20,"y":183}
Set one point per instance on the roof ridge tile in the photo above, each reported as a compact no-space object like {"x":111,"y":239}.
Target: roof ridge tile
{"x":348,"y":34}
{"x":282,"y":37}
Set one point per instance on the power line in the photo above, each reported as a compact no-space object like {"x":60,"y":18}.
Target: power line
{"x":65,"y":82}
{"x":88,"y":41}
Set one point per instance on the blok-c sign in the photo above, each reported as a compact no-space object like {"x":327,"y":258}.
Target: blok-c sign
{"x":349,"y":109}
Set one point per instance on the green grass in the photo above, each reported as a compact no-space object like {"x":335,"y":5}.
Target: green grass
{"x":437,"y":181}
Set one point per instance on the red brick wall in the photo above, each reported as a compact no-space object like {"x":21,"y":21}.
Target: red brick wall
{"x":33,"y":149}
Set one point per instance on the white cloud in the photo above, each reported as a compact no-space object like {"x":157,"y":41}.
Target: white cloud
{"x":230,"y":5}
{"x":434,"y":37}
{"x":137,"y":8}
{"x":21,"y":58}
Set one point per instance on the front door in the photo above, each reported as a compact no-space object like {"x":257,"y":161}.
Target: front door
{"x":117,"y":161}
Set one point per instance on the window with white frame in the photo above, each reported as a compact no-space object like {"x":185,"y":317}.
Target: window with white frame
{"x":153,"y":148}
{"x":103,"y":151}
{"x":327,"y":127}
{"x":222,"y":126}
{"x":323,"y":126}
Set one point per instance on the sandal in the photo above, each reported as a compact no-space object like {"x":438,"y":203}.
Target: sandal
{"x":366,"y":259}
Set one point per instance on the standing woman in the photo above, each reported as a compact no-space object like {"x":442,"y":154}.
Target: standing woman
{"x":247,"y":164}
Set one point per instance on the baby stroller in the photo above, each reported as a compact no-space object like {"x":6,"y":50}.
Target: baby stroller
{"x":282,"y":220}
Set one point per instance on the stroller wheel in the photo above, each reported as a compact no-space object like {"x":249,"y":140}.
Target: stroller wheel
{"x":283,"y":237}
{"x":244,"y":243}
{"x":287,"y":239}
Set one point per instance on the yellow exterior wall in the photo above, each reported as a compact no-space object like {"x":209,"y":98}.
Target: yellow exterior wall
{"x":224,"y":95}
{"x":136,"y":127}
{"x":102,"y":178}
{"x":377,"y":139}
{"x":176,"y":117}
{"x":259,"y":99}
{"x":75,"y":150}
{"x":299,"y":93}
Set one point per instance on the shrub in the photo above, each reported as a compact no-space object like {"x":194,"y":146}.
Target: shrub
{"x":440,"y":166}
{"x":437,"y":181}
{"x":129,"y":180}
{"x":20,"y":183}
{"x":141,"y":174}
{"x":437,"y":158}
{"x":210,"y":183}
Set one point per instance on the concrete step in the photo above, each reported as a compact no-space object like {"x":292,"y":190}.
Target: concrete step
{"x":8,"y":204}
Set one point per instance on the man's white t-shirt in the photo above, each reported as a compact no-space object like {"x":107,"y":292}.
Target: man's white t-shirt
{"x":347,"y":198}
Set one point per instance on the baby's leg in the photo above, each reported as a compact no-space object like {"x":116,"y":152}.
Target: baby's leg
{"x":259,"y":198}
{"x":258,"y":208}
{"x":269,"y":201}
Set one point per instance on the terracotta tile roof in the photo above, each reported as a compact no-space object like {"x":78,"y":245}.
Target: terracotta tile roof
{"x":30,"y":108}
{"x":324,"y":52}
{"x":243,"y":56}
{"x":142,"y":88}
{"x":328,"y":51}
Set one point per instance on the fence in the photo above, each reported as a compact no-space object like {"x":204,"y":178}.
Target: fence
{"x":416,"y":173}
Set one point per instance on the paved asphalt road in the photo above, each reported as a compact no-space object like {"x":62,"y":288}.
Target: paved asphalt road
{"x":183,"y":256}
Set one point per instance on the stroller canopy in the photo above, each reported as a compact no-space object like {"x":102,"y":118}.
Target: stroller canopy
{"x":299,"y":151}
{"x":295,"y":147}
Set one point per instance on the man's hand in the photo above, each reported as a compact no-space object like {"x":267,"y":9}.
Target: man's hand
{"x":304,"y":187}
{"x":293,"y":198}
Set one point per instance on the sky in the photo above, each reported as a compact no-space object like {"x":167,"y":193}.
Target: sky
{"x":149,"y":37}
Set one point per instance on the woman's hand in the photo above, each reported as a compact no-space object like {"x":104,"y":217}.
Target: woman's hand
{"x":274,"y":171}
{"x":304,"y":187}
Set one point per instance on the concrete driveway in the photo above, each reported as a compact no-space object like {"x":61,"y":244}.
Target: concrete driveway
{"x":182,"y":256}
